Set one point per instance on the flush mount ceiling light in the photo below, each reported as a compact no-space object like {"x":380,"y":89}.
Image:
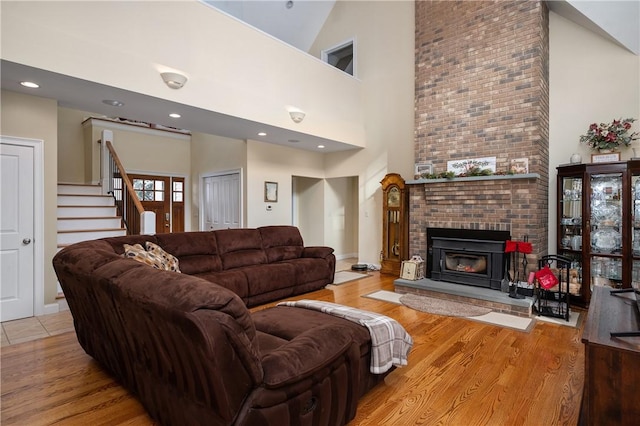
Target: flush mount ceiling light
{"x":30,"y":84}
{"x":297,"y":115}
{"x":173,"y":79}
{"x":320,"y":146}
{"x":113,"y":102}
{"x":174,"y":115}
{"x":262,"y":134}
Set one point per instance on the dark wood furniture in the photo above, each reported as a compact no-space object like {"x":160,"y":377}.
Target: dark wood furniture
{"x":598,"y":222}
{"x":612,"y":364}
{"x":395,"y":221}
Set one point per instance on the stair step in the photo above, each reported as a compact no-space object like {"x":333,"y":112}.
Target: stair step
{"x":97,"y":222}
{"x":85,"y":211}
{"x":71,"y":237}
{"x":78,"y":188}
{"x":84,"y":200}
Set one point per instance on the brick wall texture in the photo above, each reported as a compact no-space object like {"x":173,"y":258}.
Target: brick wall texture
{"x":481,"y":90}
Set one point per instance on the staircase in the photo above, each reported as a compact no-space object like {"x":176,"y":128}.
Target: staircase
{"x":85,"y":214}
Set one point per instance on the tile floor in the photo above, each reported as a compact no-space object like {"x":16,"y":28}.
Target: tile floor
{"x":24,"y":330}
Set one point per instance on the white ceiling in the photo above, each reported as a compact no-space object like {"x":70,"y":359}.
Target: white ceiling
{"x":298,"y":28}
{"x":297,"y":25}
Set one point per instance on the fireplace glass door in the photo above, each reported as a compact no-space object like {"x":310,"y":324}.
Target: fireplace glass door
{"x":466,"y":263}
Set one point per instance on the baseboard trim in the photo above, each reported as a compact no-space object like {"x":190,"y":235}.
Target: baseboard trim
{"x":346,"y":256}
{"x":51,"y":308}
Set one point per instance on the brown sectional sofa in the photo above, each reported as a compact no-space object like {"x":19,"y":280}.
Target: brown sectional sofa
{"x":188,"y":347}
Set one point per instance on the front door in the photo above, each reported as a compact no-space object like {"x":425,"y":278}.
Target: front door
{"x":16,"y":231}
{"x":163,"y":195}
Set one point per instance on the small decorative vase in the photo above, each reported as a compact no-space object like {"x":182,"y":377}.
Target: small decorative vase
{"x":576,"y":158}
{"x":605,"y":151}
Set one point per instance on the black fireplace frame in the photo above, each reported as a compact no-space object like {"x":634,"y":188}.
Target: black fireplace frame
{"x":495,"y":266}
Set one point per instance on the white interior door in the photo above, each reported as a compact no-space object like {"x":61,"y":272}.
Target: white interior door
{"x":221,"y":202}
{"x":16,"y":231}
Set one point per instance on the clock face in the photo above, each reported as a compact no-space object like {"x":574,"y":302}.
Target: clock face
{"x":393,"y":197}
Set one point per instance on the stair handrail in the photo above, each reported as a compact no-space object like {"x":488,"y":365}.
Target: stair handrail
{"x":129,"y":205}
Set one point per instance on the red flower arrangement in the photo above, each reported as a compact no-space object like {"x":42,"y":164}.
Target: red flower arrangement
{"x":609,"y":136}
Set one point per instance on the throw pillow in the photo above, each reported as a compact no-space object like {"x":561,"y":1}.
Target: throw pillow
{"x":138,"y":253}
{"x":170,"y":260}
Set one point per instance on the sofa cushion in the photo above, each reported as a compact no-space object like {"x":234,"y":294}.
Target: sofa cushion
{"x":139,"y":254}
{"x":240,"y":247}
{"x":267,"y":278}
{"x":309,"y":270}
{"x":287,"y":322}
{"x":196,"y":251}
{"x":281,"y":242}
{"x":234,"y":280}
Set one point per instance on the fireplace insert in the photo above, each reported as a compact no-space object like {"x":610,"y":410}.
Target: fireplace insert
{"x":469,"y":261}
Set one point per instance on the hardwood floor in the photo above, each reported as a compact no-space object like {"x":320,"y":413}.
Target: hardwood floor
{"x":460,"y":372}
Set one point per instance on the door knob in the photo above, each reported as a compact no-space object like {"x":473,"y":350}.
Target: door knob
{"x":26,"y":241}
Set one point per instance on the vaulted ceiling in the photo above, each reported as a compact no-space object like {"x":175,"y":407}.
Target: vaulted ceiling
{"x":298,"y":26}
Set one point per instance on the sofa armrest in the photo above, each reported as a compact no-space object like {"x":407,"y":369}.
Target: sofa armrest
{"x":317,"y":251}
{"x":305,"y":355}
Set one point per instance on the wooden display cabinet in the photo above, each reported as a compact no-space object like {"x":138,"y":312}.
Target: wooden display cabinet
{"x":395,"y":220}
{"x":598,"y":225}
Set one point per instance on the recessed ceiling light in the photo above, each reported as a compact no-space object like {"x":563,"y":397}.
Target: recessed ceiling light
{"x":113,"y":102}
{"x":262,"y":134}
{"x":174,"y":115}
{"x":321,"y":146}
{"x":30,"y":84}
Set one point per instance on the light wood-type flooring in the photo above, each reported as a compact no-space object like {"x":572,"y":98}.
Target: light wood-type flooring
{"x":460,"y":372}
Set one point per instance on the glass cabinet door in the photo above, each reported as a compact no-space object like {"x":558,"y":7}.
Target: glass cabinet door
{"x":635,"y":230}
{"x":570,"y":234}
{"x":606,"y":229}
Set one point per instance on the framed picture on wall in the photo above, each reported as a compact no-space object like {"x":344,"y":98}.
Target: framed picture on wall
{"x":271,"y":192}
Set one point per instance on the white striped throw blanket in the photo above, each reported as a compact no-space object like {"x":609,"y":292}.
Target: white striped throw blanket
{"x":390,"y":343}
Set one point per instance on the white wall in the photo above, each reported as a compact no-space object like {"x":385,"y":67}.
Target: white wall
{"x":341,"y":216}
{"x":274,"y":163}
{"x":215,"y":154}
{"x":36,"y":118}
{"x":590,"y":80}
{"x":384,"y":34}
{"x":309,"y":208}
{"x":71,"y":145}
{"x":232,"y":68}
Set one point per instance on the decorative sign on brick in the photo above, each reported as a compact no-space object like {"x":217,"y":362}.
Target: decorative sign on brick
{"x":519,"y":166}
{"x":460,"y":167}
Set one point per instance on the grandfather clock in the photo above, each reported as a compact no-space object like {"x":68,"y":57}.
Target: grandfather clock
{"x":395,"y":221}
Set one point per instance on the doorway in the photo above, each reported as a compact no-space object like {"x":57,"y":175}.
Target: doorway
{"x":221,"y":201}
{"x":21,"y":231}
{"x":326,"y":212}
{"x":163,"y":195}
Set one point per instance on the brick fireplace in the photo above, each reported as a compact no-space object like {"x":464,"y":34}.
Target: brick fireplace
{"x":481,"y":90}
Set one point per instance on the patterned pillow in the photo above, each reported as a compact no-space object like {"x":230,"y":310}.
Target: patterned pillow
{"x":171,"y":261}
{"x":138,"y":253}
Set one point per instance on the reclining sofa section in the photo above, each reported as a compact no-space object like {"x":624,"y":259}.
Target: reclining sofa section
{"x":189,"y":348}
